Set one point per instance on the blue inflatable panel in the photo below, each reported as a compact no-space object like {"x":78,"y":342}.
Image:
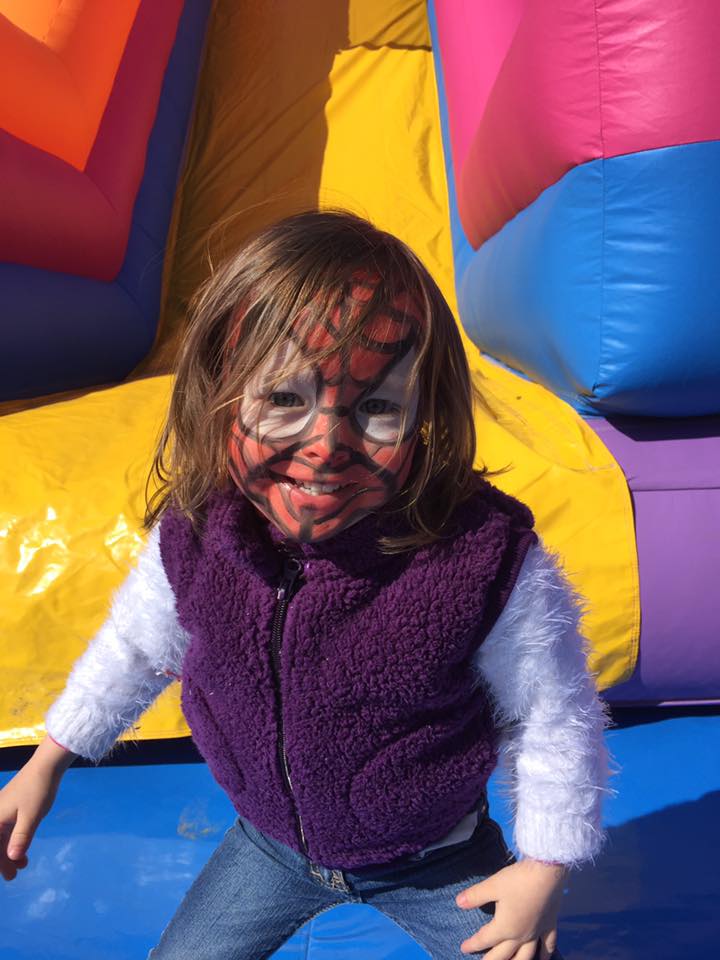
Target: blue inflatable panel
{"x":122,"y":844}
{"x":62,"y":332}
{"x":606,"y":288}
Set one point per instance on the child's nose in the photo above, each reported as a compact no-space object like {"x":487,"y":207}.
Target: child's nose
{"x":328,"y":445}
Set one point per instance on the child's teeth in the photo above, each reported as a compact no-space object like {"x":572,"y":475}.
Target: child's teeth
{"x":317,"y":488}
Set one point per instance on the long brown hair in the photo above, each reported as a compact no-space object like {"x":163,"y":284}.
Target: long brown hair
{"x":290,"y":274}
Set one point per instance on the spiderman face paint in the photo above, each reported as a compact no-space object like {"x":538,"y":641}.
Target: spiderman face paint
{"x":317,"y":452}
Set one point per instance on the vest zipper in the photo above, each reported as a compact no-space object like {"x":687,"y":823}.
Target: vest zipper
{"x":287,"y":589}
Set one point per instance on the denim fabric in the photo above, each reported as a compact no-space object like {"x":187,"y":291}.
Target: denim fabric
{"x":255,"y":892}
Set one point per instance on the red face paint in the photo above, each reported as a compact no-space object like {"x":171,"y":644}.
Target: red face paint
{"x":317,"y":452}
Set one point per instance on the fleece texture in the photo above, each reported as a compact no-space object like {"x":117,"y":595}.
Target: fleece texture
{"x":534,"y":657}
{"x":388,"y":744}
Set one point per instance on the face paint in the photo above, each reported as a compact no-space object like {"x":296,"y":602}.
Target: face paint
{"x":316,"y":453}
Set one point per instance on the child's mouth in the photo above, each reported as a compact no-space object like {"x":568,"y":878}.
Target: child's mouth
{"x":313,"y":488}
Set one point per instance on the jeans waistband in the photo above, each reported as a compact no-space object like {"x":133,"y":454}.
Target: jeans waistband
{"x":482,"y":808}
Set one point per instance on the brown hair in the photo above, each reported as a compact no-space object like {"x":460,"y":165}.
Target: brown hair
{"x":291,"y":273}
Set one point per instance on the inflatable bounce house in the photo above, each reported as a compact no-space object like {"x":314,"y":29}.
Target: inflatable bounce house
{"x":555,"y":165}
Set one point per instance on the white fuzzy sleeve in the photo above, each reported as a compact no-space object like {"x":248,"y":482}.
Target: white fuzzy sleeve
{"x":132,"y":658}
{"x":554,"y":759}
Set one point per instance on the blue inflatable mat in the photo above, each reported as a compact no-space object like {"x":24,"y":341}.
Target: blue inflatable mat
{"x":123,"y":843}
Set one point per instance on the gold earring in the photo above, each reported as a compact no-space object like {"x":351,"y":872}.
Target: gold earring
{"x":425,"y":431}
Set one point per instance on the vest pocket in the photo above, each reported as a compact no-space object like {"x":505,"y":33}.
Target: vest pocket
{"x":422,"y":784}
{"x":210,"y":740}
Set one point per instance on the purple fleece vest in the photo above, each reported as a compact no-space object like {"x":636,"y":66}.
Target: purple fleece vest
{"x":387,"y":748}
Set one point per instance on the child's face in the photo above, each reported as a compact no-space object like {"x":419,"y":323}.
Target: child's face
{"x":317,"y":452}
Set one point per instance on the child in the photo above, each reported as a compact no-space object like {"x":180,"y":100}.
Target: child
{"x":362,"y":623}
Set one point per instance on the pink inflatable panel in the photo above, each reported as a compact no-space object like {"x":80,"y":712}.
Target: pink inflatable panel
{"x":580,"y":80}
{"x":471,"y":68}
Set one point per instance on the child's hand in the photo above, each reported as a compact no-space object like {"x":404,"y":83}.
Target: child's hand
{"x":25,"y":800}
{"x":527,"y":897}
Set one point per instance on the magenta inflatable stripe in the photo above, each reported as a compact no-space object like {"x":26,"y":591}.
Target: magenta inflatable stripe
{"x":673,"y":471}
{"x":57,"y":218}
{"x":474,"y":37}
{"x":578,"y":81}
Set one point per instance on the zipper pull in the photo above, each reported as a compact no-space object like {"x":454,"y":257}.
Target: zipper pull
{"x":292,"y":568}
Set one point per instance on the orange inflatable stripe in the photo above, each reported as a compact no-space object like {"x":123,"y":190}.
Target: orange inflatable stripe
{"x":56,"y":217}
{"x":59,"y":61}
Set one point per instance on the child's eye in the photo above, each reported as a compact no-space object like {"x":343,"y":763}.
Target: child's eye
{"x":375,"y":406}
{"x":285,"y":398}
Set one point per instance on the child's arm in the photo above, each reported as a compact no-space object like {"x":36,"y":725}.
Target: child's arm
{"x":25,"y":800}
{"x":534,"y":666}
{"x":129,"y":662}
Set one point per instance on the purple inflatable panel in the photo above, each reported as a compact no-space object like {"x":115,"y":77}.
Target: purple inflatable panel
{"x":673,"y":472}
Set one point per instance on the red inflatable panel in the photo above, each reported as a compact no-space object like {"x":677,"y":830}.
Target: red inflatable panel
{"x":59,"y":218}
{"x":58,"y":63}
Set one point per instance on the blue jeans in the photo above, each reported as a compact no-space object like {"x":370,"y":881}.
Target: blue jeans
{"x":255,"y":892}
